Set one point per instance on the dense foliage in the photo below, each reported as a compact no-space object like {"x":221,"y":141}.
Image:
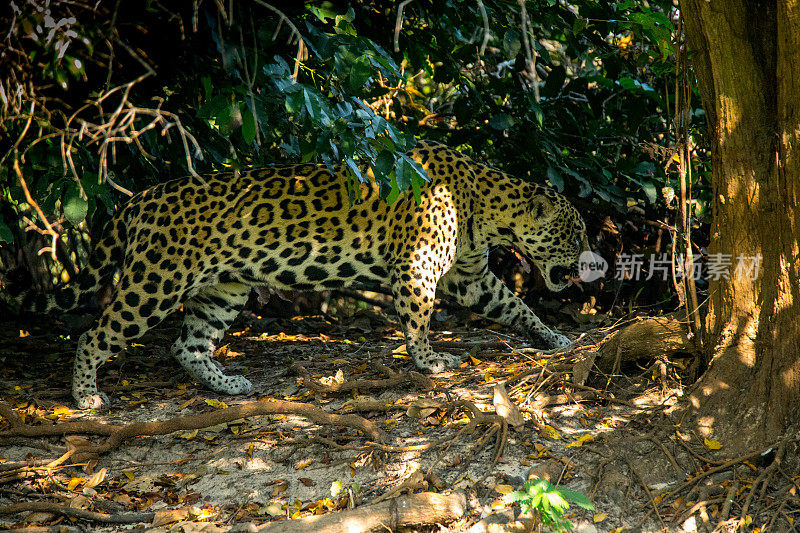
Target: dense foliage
{"x":106,"y":98}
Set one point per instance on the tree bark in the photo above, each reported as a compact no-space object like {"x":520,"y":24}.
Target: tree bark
{"x":746,"y":56}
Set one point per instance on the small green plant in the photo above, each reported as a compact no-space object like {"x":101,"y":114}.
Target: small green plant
{"x":549,"y":501}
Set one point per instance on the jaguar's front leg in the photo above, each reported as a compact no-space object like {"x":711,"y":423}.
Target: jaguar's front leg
{"x":472,"y":285}
{"x":414,"y":293}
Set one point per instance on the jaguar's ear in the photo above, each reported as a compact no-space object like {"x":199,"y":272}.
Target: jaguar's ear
{"x":542,"y":209}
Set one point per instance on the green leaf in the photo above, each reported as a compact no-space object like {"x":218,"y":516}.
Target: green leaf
{"x":353,"y":168}
{"x":576,"y":497}
{"x":555,"y":179}
{"x":538,"y":113}
{"x":5,"y":233}
{"x":317,"y":107}
{"x":248,"y":125}
{"x":403,"y":180}
{"x":294,"y":102}
{"x":207,"y":88}
{"x":394,"y":193}
{"x":501,"y":121}
{"x":650,"y":191}
{"x":383,"y":165}
{"x":511,"y":43}
{"x":213,"y":107}
{"x":360,"y":72}
{"x":323,"y":12}
{"x":557,"y":501}
{"x":74,"y":207}
{"x":224,"y":120}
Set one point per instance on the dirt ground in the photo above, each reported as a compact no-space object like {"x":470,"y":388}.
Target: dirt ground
{"x":612,"y":437}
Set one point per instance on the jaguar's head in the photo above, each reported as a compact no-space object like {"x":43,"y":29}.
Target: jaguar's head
{"x":552,"y":234}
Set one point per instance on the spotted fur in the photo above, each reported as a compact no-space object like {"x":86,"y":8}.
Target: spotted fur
{"x":202,"y":245}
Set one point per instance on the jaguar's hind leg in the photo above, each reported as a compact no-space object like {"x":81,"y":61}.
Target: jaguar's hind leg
{"x":207,"y":316}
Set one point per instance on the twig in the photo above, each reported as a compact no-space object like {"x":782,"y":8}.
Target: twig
{"x":699,"y":506}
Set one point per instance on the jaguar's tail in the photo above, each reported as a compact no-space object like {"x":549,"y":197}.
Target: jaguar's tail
{"x":90,"y":291}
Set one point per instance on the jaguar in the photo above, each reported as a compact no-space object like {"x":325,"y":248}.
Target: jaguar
{"x":201,"y":243}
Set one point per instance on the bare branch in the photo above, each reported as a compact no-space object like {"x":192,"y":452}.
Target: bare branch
{"x":530,"y":53}
{"x":399,"y":23}
{"x":486,"y":34}
{"x":32,"y":202}
{"x":301,"y":45}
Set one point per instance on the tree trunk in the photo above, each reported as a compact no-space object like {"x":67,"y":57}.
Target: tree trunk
{"x":746,"y":56}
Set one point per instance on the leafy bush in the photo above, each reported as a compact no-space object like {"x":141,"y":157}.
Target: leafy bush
{"x":549,"y":502}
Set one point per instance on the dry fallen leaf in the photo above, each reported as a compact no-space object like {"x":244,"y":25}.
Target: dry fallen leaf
{"x":188,"y":435}
{"x":96,"y":479}
{"x":712,"y":444}
{"x":580,"y":441}
{"x":76,"y":441}
{"x":279,"y":488}
{"x":213,"y":402}
{"x":141,"y":485}
{"x":504,"y":489}
{"x":80,"y":502}
{"x":423,"y":407}
{"x":550,"y":432}
{"x":167,"y":516}
{"x":304,"y":464}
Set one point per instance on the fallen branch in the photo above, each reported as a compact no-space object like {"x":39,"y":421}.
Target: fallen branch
{"x":65,"y":510}
{"x":119,"y":433}
{"x":392,"y":515}
{"x":394,"y":379}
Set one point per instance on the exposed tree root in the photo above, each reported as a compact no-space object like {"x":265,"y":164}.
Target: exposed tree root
{"x":66,"y":510}
{"x":119,"y":433}
{"x":701,"y":508}
{"x":646,"y":490}
{"x":390,"y":515}
{"x":393,"y":380}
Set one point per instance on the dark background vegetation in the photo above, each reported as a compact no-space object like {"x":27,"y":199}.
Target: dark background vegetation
{"x":103,"y":99}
